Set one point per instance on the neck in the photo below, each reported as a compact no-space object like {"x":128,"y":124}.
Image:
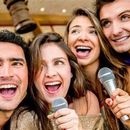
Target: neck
{"x":91,"y":71}
{"x":4,"y":117}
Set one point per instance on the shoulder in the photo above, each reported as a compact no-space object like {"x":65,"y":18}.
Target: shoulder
{"x":89,"y":103}
{"x":29,"y":115}
{"x":91,"y":96}
{"x":93,"y":103}
{"x":91,"y":122}
{"x":24,"y":121}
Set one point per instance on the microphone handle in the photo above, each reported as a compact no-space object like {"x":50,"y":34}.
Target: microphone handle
{"x":110,"y":86}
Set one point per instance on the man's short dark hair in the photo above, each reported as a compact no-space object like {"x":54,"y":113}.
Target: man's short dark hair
{"x":11,"y":37}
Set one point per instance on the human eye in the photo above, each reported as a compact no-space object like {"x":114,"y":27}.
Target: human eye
{"x":105,"y":23}
{"x":75,"y":31}
{"x":93,"y":31}
{"x":17,"y":63}
{"x":125,"y":17}
{"x":59,"y":62}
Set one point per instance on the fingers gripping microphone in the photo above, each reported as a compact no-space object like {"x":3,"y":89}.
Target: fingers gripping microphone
{"x":107,"y":78}
{"x":57,"y":104}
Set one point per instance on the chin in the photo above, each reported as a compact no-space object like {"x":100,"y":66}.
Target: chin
{"x":121,"y":51}
{"x":9,"y":108}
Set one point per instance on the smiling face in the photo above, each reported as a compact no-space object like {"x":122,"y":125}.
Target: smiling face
{"x":54,"y":75}
{"x":83,"y":40}
{"x":13,"y":76}
{"x":116,"y":24}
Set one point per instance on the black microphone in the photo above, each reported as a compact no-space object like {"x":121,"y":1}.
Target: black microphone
{"x":107,"y":78}
{"x":57,"y":104}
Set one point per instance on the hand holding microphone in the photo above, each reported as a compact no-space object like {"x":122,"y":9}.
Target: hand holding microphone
{"x":63,"y":117}
{"x":107,"y":78}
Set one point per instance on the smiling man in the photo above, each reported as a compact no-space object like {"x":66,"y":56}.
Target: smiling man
{"x":14,"y":71}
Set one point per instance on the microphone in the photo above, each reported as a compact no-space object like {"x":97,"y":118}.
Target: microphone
{"x":107,"y":78}
{"x":57,"y":104}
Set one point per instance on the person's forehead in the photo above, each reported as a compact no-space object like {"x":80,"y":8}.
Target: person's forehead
{"x":11,"y":49}
{"x":114,"y":8}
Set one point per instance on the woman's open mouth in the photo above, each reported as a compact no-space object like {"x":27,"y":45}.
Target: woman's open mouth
{"x":52,"y":87}
{"x":82,"y":51}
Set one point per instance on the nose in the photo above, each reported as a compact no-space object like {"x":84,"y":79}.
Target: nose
{"x":5,"y":71}
{"x":116,"y":29}
{"x":84,"y":36}
{"x":51,"y":72}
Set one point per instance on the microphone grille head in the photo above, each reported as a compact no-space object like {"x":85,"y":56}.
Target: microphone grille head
{"x":105,"y":74}
{"x":58,"y":104}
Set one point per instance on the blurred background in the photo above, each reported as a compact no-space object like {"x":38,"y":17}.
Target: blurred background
{"x":31,"y":17}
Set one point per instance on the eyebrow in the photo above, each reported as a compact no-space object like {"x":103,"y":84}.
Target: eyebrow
{"x":57,"y":58}
{"x":103,"y":19}
{"x":14,"y":59}
{"x":17,"y":59}
{"x":74,"y":26}
{"x":91,"y":26}
{"x":124,"y":12}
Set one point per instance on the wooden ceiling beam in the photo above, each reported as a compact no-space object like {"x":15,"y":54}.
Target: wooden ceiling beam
{"x":6,"y":19}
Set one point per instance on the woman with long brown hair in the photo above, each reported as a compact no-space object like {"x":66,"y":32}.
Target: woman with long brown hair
{"x":85,"y":38}
{"x":57,"y":74}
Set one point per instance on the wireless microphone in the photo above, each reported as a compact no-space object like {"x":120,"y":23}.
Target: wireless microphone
{"x":107,"y":78}
{"x":59,"y":103}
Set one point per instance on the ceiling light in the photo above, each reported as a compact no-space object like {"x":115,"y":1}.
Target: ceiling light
{"x":42,"y":9}
{"x":64,"y":10}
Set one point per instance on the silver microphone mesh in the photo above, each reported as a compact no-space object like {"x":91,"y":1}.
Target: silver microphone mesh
{"x":58,"y":104}
{"x":105,"y":74}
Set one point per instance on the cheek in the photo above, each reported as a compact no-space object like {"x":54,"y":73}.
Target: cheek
{"x":98,"y":51}
{"x":96,"y":42}
{"x":98,"y":47}
{"x":71,"y":39}
{"x":68,"y":74}
{"x":23,"y":75}
{"x":65,"y":71}
{"x":106,"y":32}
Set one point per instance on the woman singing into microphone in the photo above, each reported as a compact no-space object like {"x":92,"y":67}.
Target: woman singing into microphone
{"x":57,"y":74}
